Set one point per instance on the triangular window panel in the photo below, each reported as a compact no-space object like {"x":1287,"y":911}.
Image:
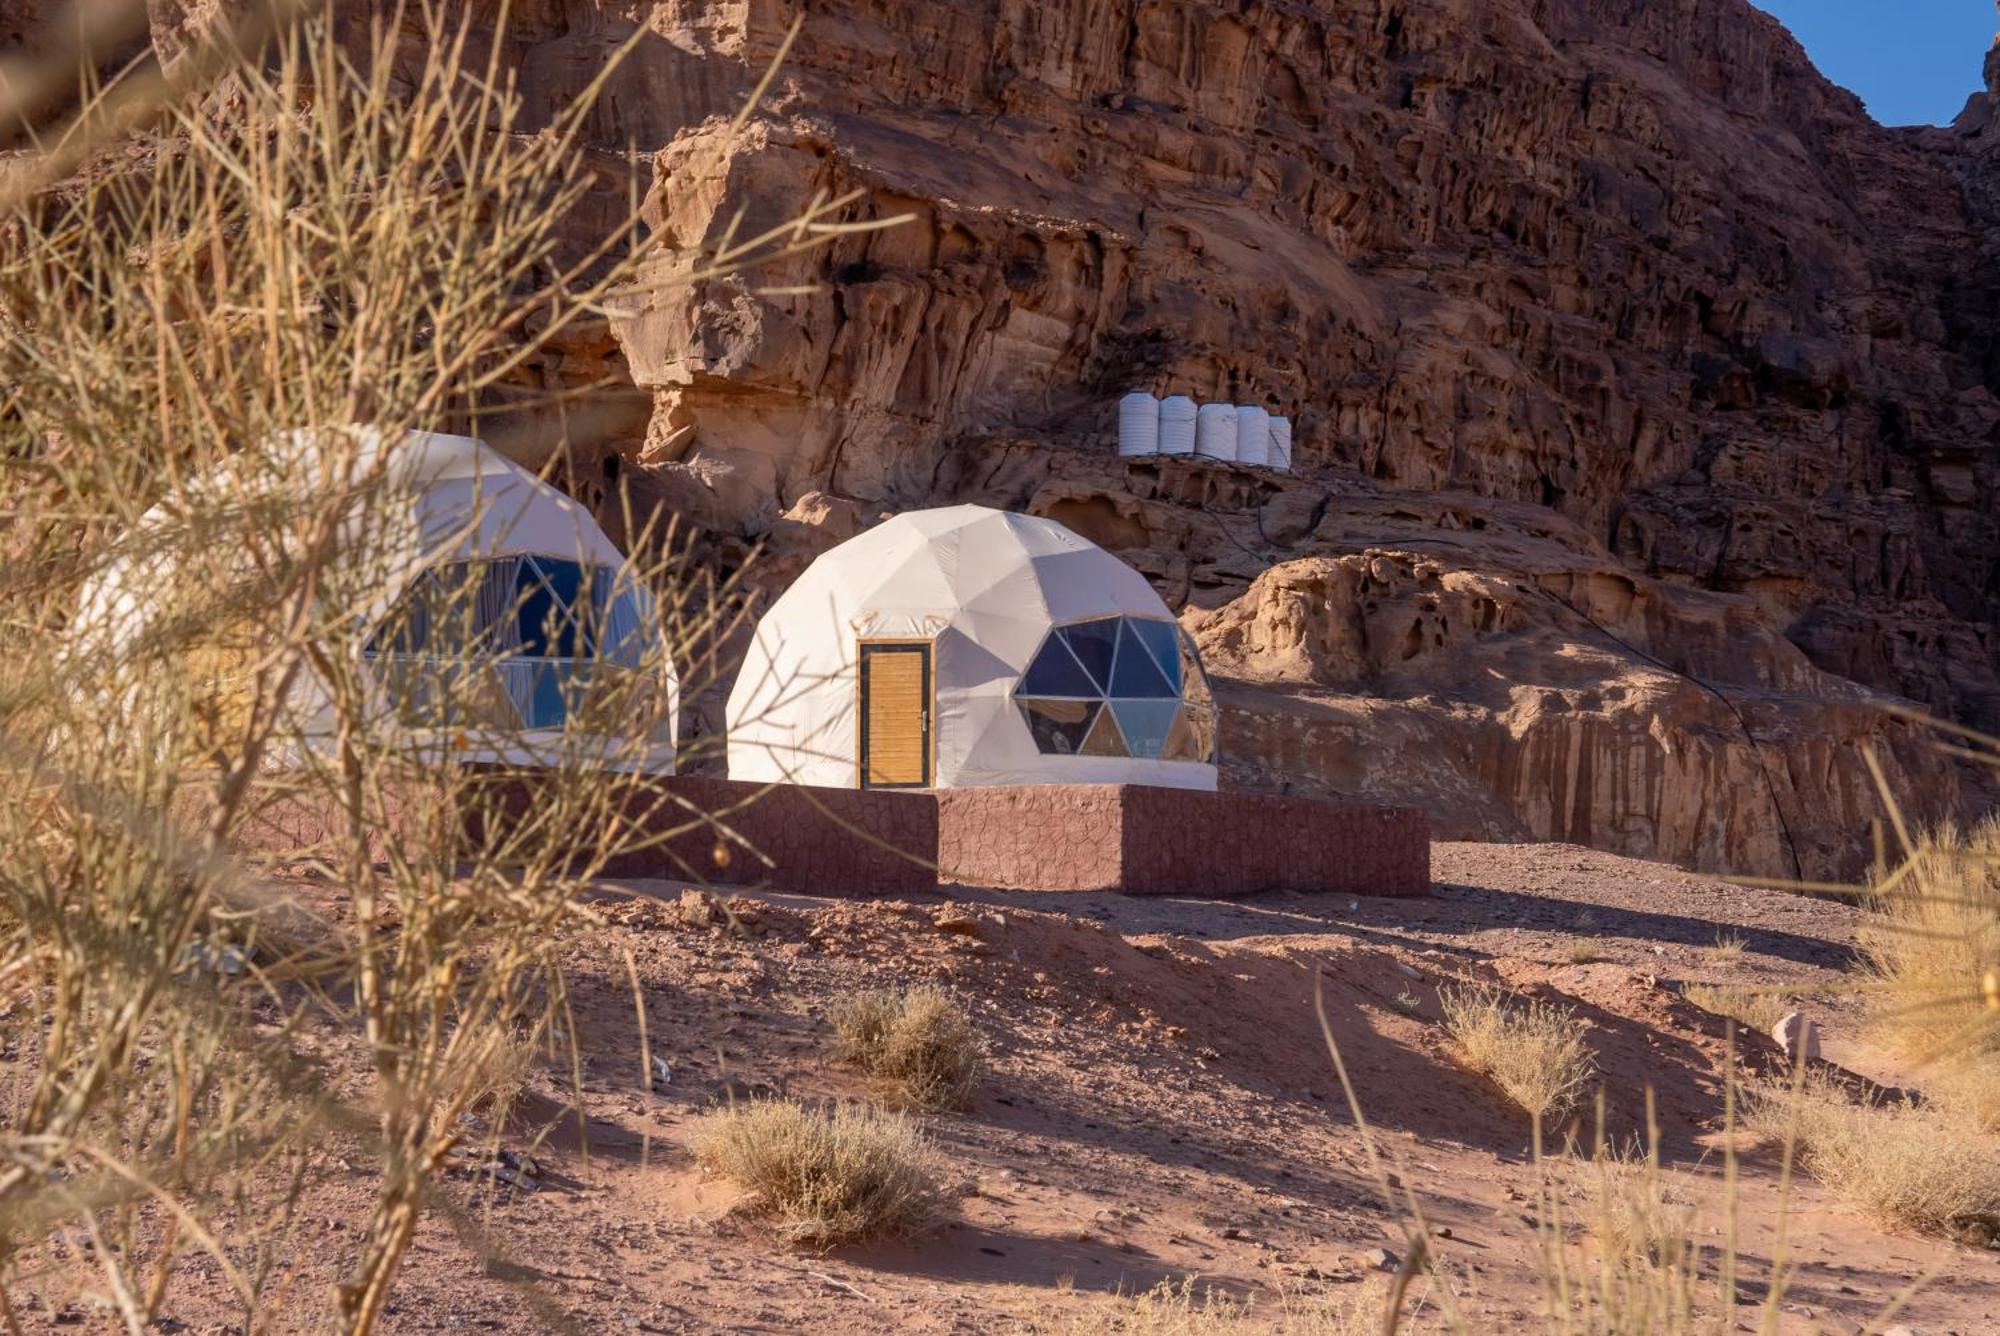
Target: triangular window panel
{"x":566,"y":578}
{"x":536,"y":610}
{"x":1055,"y":672}
{"x":1059,"y":726}
{"x":1146,"y":724}
{"x":480,"y":612}
{"x":1095,"y":645}
{"x":1104,"y":739}
{"x":1163,"y":640}
{"x":556,"y":685}
{"x":1136,"y":674}
{"x":624,"y":634}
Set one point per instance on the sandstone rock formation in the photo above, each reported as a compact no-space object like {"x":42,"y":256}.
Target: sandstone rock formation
{"x":1644,"y":389}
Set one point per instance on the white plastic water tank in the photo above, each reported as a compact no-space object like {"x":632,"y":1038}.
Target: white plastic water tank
{"x":1281,"y":442}
{"x":1177,"y":414}
{"x":1215,"y":432}
{"x":1138,"y":425}
{"x":1253,"y":436}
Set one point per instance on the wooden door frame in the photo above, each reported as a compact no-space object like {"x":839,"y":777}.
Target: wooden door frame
{"x":863,"y":644}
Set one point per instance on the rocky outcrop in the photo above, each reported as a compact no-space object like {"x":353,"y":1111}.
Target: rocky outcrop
{"x":1644,"y":390}
{"x":1647,"y":434}
{"x":1525,"y":706}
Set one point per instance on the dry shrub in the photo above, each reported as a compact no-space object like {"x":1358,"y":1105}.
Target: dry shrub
{"x":1729,"y":948}
{"x":1643,"y":1255}
{"x":917,"y":1044}
{"x":494,"y":1071}
{"x":827,"y":1178}
{"x":1932,"y":957}
{"x":1646,"y":1267}
{"x":1904,"y":1166}
{"x":215,"y":275}
{"x":1533,"y":1050}
{"x":1969,"y":1086}
{"x":1188,"y":1309}
{"x":1758,"y":1009}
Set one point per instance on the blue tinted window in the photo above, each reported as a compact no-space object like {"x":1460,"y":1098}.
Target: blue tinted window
{"x":1095,"y":644}
{"x":545,"y":706}
{"x":1146,"y":724}
{"x":535,"y":607}
{"x":1055,"y":672}
{"x":1116,"y":686}
{"x":1163,"y":640}
{"x":540,"y":626}
{"x":1136,"y":673}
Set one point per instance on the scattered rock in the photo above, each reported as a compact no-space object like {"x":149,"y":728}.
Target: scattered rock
{"x":698,"y":909}
{"x":1796,"y":1034}
{"x":1976,"y":1229}
{"x":227,"y":960}
{"x":509,"y":1168}
{"x":955,"y":922}
{"x":1380,"y":1259}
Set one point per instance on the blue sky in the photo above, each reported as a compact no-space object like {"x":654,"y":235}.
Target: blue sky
{"x":1911,"y":61}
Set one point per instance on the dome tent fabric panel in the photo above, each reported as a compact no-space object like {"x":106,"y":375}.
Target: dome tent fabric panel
{"x":439,"y":521}
{"x":793,"y":713}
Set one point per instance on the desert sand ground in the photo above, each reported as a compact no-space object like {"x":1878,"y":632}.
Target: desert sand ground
{"x":1160,"y":1104}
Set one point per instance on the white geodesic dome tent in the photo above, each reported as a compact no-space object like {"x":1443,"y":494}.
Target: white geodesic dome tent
{"x":967,"y":646}
{"x":490,"y":604}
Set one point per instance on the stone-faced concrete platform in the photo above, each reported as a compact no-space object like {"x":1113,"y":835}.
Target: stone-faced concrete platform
{"x":1046,"y":837}
{"x":791,"y":837}
{"x":1158,"y":841}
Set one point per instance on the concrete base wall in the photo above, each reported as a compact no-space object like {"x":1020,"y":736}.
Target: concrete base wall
{"x":807,"y":840}
{"x":1048,"y":837}
{"x":1155,"y":841}
{"x":813,"y":841}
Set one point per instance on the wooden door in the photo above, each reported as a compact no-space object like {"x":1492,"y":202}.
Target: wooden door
{"x":895,"y":715}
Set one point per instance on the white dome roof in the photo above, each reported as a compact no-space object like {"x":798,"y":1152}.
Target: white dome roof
{"x":984,"y":588}
{"x":424,"y":502}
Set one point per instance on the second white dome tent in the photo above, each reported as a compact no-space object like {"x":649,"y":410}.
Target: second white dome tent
{"x":970,"y":646}
{"x":501,"y":625}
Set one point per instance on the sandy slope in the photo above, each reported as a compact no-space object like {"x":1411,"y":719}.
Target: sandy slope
{"x":1160,"y":1104}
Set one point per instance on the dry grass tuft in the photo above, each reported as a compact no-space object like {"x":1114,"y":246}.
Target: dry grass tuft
{"x":1729,"y":948}
{"x":1934,"y":959}
{"x":919,"y":1045}
{"x":1533,"y":1050}
{"x":827,"y":1178}
{"x":1904,"y":1166}
{"x":1753,"y":1008}
{"x":223,"y":284}
{"x":1644,"y":1219}
{"x":1583,"y":953}
{"x":1185,"y":1309}
{"x":1630,"y":1260}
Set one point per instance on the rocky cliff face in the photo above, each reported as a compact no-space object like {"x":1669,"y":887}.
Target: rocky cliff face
{"x":1644,"y":389}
